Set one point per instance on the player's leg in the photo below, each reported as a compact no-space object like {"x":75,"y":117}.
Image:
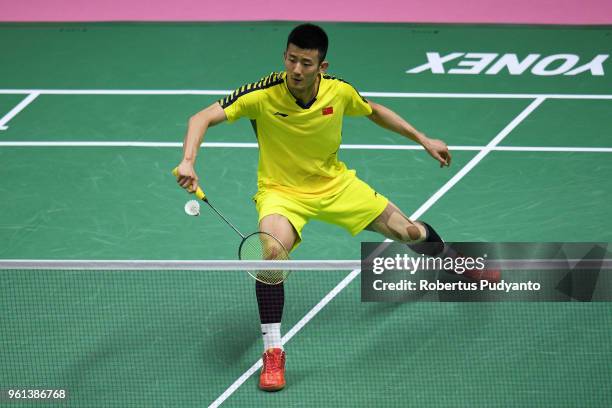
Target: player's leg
{"x":283,"y":217}
{"x":421,"y":238}
{"x":281,"y":228}
{"x":270,"y":300}
{"x":359,"y":207}
{"x":395,"y":225}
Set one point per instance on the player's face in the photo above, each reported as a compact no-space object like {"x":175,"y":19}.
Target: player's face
{"x":302,"y":67}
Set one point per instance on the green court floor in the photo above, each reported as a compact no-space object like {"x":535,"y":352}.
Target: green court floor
{"x":180,"y":339}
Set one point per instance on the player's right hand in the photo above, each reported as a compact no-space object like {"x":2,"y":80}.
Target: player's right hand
{"x":186,"y":176}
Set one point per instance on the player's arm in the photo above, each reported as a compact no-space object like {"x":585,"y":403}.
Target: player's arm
{"x":390,"y":120}
{"x":198,"y":124}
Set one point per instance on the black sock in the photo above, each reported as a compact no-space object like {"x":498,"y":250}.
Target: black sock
{"x":270,"y":299}
{"x":433,"y":244}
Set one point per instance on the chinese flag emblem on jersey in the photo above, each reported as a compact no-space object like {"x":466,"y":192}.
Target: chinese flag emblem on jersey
{"x":328,"y":111}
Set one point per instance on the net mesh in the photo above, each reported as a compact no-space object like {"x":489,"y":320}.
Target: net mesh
{"x":130,"y":334}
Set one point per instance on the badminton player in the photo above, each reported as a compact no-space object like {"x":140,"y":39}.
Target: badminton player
{"x":297,"y":117}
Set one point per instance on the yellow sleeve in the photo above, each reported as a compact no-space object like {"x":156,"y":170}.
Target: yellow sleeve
{"x":243,"y":102}
{"x":356,"y":105}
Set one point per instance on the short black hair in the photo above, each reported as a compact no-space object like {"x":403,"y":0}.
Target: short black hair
{"x":309,"y":37}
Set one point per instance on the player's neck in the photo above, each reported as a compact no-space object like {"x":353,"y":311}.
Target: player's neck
{"x":308,"y":94}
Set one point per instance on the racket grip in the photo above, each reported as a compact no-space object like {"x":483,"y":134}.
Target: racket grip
{"x":198,"y":193}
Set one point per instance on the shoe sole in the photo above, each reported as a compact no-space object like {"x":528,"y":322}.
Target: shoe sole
{"x":272,"y":389}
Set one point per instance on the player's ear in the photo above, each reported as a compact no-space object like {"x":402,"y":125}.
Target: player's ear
{"x":323,"y":67}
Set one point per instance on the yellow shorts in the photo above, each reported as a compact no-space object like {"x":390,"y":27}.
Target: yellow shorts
{"x":354,"y":208}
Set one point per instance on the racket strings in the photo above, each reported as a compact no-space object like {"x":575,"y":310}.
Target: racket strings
{"x":261,"y":246}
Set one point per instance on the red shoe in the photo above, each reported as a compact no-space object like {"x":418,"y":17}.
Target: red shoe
{"x":272,"y":377}
{"x":490,"y":275}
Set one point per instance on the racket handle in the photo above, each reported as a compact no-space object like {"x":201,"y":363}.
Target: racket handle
{"x":198,"y":193}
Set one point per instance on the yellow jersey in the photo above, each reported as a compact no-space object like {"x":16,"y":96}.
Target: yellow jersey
{"x":298,"y":143}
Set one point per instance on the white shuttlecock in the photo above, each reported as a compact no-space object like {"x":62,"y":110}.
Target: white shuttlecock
{"x":192,"y":207}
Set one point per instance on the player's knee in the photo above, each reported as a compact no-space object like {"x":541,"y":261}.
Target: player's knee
{"x":409,"y":232}
{"x":272,"y":251}
{"x":413,"y":233}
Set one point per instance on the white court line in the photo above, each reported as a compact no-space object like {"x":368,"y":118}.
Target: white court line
{"x":553,"y":149}
{"x":481,"y":95}
{"x":119,"y":144}
{"x":118,"y":91}
{"x":369,"y":94}
{"x":569,"y":149}
{"x":476,"y":159}
{"x":13,"y":112}
{"x":350,"y":277}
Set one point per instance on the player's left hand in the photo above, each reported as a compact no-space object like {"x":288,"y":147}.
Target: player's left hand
{"x":439,"y":151}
